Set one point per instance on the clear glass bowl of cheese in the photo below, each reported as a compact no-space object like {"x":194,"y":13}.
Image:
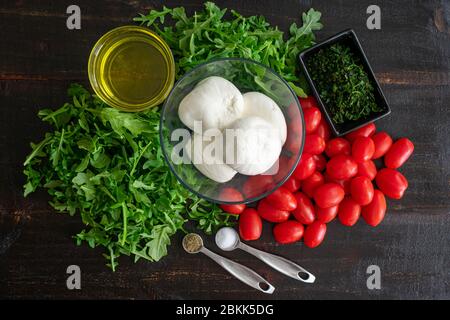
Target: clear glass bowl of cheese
{"x":247,"y":99}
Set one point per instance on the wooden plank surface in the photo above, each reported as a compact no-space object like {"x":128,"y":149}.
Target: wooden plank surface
{"x":39,"y":57}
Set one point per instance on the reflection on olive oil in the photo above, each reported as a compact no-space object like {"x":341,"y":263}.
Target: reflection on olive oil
{"x":134,"y":71}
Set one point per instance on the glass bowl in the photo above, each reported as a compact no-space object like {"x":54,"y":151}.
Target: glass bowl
{"x":246,"y":75}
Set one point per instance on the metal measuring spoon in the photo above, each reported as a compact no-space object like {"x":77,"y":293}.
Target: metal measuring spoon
{"x":193,"y":243}
{"x":280,"y":264}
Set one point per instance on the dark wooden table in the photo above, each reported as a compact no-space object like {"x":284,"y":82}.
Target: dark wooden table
{"x":39,"y":57}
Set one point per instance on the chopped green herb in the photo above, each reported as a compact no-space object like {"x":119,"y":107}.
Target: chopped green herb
{"x":342,"y":83}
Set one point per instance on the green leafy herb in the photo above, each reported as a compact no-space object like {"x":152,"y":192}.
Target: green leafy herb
{"x":342,"y":83}
{"x":108,"y":166}
{"x":207,"y":35}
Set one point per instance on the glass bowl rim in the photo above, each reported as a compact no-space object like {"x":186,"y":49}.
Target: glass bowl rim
{"x":246,"y":199}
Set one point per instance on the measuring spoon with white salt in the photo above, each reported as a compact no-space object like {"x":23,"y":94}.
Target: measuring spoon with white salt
{"x":228,"y":239}
{"x":193,"y":243}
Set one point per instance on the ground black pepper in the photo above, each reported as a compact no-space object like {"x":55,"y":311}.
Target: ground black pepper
{"x":192,"y":243}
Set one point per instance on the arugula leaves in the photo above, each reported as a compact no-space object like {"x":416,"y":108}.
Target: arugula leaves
{"x":107,"y":165}
{"x":207,"y":35}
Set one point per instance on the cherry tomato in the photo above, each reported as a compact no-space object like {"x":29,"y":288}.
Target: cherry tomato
{"x":349,"y":212}
{"x":312,"y":182}
{"x":293,"y":112}
{"x":288,"y":232}
{"x":269,"y":213}
{"x":391,"y":182}
{"x":338,"y":146}
{"x":292,"y":184}
{"x":295,"y":125}
{"x":308,"y":102}
{"x":363,"y":149}
{"x":314,"y":234}
{"x":293,"y":142}
{"x":382,"y":142}
{"x":329,"y":195}
{"x":342,"y":167}
{"x":321,"y":162}
{"x":284,"y":165}
{"x":250,"y":224}
{"x":255,"y":185}
{"x":323,"y":130}
{"x":305,"y":209}
{"x":361,"y":189}
{"x":374,"y":212}
{"x":231,"y":194}
{"x":345,"y":184}
{"x":305,"y":167}
{"x":326,"y":215}
{"x":282,"y":199}
{"x":367,"y":169}
{"x":314,"y":144}
{"x":366,"y":131}
{"x":397,"y":155}
{"x":312,"y":119}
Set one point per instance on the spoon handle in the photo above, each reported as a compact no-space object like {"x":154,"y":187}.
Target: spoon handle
{"x":246,"y":275}
{"x":280,"y":264}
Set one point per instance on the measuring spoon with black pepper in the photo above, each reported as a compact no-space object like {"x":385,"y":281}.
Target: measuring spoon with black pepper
{"x":193,"y":243}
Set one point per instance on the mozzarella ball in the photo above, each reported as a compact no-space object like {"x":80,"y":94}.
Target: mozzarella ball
{"x":215,"y":101}
{"x":252,"y":145}
{"x":259,"y":105}
{"x":206,"y":154}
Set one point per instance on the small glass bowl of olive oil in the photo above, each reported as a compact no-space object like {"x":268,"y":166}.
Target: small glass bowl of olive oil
{"x":131,"y":68}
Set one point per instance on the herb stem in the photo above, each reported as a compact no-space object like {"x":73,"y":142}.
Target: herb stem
{"x":125,"y":222}
{"x":36,"y":150}
{"x":58,"y":151}
{"x":138,"y":159}
{"x":112,"y":258}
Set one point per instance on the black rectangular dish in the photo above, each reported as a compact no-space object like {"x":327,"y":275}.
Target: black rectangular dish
{"x":349,"y":39}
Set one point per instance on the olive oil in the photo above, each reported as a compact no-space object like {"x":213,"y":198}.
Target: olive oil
{"x":131,"y":68}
